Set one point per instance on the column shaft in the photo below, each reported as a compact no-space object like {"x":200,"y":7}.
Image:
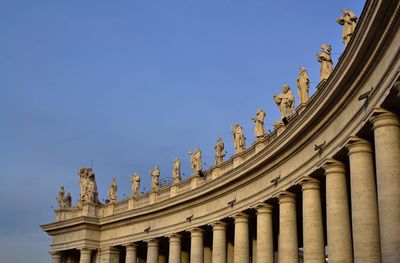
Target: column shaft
{"x":219,"y":242}
{"x":196,"y":246}
{"x":131,"y":253}
{"x":364,"y":204}
{"x":387,"y":156}
{"x":241,"y":251}
{"x":288,"y":245}
{"x":313,"y":233}
{"x":152,"y":251}
{"x":86,"y":256}
{"x":175,"y":248}
{"x":337,"y":214}
{"x":265,"y":244}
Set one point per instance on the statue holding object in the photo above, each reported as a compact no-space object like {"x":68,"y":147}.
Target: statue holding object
{"x":259,"y":130}
{"x":112,"y":192}
{"x":219,"y":151}
{"x":155,"y":174}
{"x":196,"y":160}
{"x":349,"y":22}
{"x":135,"y":180}
{"x":325,"y":59}
{"x":303,"y":83}
{"x":176,"y":171}
{"x":285,"y":101}
{"x":239,"y":140}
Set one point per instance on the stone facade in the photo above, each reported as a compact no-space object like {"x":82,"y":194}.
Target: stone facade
{"x":325,"y":185}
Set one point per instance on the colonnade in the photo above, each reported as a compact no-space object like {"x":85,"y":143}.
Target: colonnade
{"x":362,"y":225}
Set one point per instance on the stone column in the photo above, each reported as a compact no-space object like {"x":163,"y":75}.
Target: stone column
{"x":56,"y":257}
{"x":288,"y":247}
{"x":241,"y":251}
{"x":131,"y":253}
{"x":337,"y":213}
{"x":185,"y":257}
{"x":152,"y":251}
{"x":109,"y":255}
{"x":196,"y":245}
{"x":230,"y":252}
{"x":313,"y":232}
{"x":219,"y":242}
{"x":265,"y":242}
{"x":86,"y":255}
{"x":387,"y":156}
{"x":364,"y":206}
{"x":175,"y":248}
{"x":162,"y":258}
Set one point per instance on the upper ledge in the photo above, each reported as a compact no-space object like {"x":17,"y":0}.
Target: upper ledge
{"x":347,"y":78}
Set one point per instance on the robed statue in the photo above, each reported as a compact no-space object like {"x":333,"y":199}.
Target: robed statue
{"x":135,"y":183}
{"x":155,"y":174}
{"x":219,"y":151}
{"x":349,"y":22}
{"x":303,"y":83}
{"x":325,"y":60}
{"x":176,"y":171}
{"x":112,"y":191}
{"x":239,"y":140}
{"x":259,"y":130}
{"x":196,"y":160}
{"x":285,"y":101}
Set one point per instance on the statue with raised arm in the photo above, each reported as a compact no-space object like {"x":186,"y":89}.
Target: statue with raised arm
{"x":239,"y":140}
{"x":259,"y":130}
{"x":176,"y":171}
{"x":112,"y":191}
{"x":88,"y":187}
{"x":60,"y":198}
{"x":325,"y":59}
{"x":303,"y":83}
{"x":155,"y":174}
{"x":349,"y":22}
{"x":219,"y":151}
{"x":135,"y":180}
{"x":196,"y":160}
{"x":285,"y":101}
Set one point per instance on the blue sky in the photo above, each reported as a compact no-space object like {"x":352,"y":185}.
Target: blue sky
{"x":131,"y":84}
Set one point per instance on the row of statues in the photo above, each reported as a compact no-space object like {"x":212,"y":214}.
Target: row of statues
{"x":285,"y":101}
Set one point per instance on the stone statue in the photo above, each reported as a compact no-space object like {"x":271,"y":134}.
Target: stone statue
{"x":112,"y":191}
{"x":238,"y":138}
{"x":63,"y":200}
{"x":349,"y":22}
{"x":285,"y":101}
{"x":135,"y":180}
{"x":176,"y":171}
{"x":67,"y":200}
{"x":196,"y":161}
{"x":259,"y":130}
{"x":303,"y":83}
{"x":155,"y":174}
{"x":219,"y":151}
{"x":60,"y":198}
{"x":324,"y":57}
{"x":88,"y":187}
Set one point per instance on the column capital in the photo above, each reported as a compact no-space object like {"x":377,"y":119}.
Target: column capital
{"x":196,"y":232}
{"x":152,"y":242}
{"x":333,"y":166}
{"x":218,"y":225}
{"x":241,"y":217}
{"x":174,"y":237}
{"x":130,"y":246}
{"x":356,"y":145}
{"x":286,"y":197}
{"x":309,"y":183}
{"x":56,"y":254}
{"x":263,"y":208}
{"x":382,"y":117}
{"x":85,"y":250}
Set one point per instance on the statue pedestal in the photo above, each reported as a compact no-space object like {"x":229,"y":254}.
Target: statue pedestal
{"x":194,"y":181}
{"x":152,"y":197}
{"x":215,"y":173}
{"x":109,"y":209}
{"x":173,"y":190}
{"x":90,"y":210}
{"x":237,"y":160}
{"x":131,"y":202}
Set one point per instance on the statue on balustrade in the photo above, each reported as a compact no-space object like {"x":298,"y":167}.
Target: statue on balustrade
{"x":196,"y":160}
{"x":155,"y":174}
{"x":219,"y":151}
{"x":239,"y":140}
{"x":285,"y":101}
{"x":176,"y":171}
{"x":303,"y":83}
{"x":349,"y":22}
{"x":63,"y":200}
{"x":112,"y":192}
{"x":259,"y":130}
{"x":135,"y":180}
{"x":88,"y":187}
{"x":325,"y":59}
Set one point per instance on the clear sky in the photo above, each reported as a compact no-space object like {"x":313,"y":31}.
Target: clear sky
{"x":131,"y":84}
